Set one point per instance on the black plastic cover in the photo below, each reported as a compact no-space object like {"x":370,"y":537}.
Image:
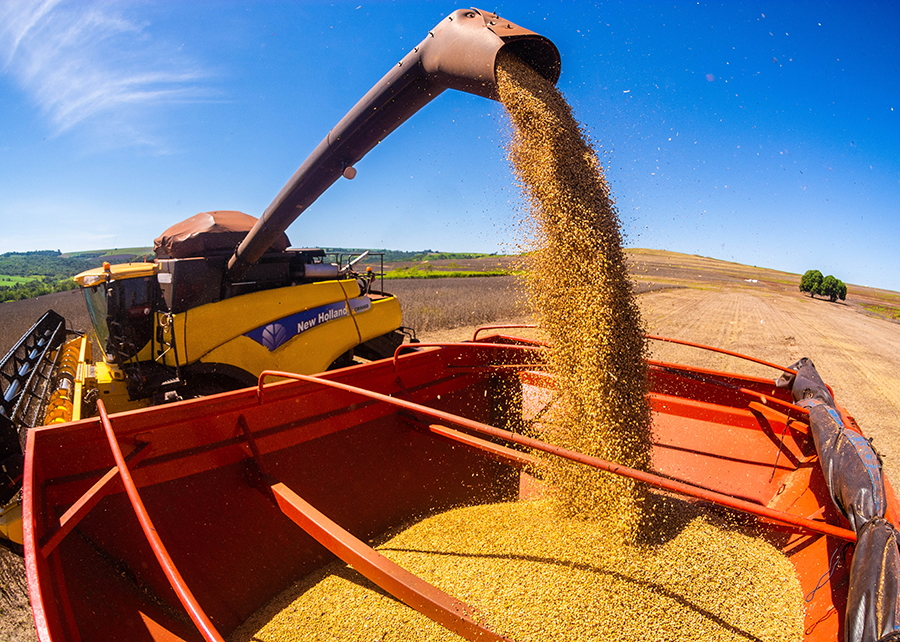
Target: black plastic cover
{"x":851,"y":467}
{"x":853,"y":471}
{"x":873,"y":612}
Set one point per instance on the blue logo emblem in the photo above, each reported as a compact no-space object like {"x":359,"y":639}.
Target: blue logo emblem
{"x":275,"y":334}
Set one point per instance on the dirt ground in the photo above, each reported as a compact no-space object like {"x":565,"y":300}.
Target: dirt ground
{"x":762,"y":313}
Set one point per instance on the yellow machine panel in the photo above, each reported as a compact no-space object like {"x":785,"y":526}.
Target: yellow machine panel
{"x":211,"y":326}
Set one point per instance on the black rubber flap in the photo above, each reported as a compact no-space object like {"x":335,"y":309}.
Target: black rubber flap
{"x":873,"y":608}
{"x":852,"y":469}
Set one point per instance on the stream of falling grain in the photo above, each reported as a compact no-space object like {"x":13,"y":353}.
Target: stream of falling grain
{"x":581,"y":295}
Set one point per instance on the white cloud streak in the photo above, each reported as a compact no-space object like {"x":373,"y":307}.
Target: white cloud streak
{"x":84,"y":64}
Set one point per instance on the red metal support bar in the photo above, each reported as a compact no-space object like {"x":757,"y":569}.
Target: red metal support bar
{"x":496,"y":451}
{"x":759,"y":395}
{"x":595,"y":462}
{"x":653,"y":338}
{"x":763,"y":397}
{"x":508,"y":326}
{"x":449,"y":344}
{"x":397,"y":581}
{"x":196,"y":613}
{"x":720,"y":351}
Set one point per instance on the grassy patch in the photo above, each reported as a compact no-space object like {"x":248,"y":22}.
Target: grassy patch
{"x":8,"y":279}
{"x":887,"y":311}
{"x":883,"y":296}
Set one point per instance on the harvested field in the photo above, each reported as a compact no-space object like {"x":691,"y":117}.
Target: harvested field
{"x":16,"y":317}
{"x":439,"y":304}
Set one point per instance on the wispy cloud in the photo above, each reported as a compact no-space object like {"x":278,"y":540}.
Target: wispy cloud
{"x":86,"y":64}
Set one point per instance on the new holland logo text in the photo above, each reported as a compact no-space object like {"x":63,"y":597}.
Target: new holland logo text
{"x":276,"y":334}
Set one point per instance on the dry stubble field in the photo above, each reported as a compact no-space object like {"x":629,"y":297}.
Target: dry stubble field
{"x":756,"y":311}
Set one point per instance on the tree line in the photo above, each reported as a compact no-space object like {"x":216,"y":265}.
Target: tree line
{"x":391,"y":256}
{"x":47,"y":271}
{"x":816,"y":284}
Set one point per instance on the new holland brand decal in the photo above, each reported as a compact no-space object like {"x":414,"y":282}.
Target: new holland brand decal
{"x":276,"y":334}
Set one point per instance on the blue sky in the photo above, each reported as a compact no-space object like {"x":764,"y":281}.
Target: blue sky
{"x":766,"y":133}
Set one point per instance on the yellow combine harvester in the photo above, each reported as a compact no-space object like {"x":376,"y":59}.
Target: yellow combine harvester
{"x":179,"y":327}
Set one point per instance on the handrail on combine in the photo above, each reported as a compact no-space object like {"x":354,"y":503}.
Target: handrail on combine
{"x":652,"y":479}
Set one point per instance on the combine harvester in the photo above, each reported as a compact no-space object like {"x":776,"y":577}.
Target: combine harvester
{"x":177,"y":522}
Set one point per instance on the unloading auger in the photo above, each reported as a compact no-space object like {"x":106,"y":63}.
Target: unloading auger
{"x":459,"y":53}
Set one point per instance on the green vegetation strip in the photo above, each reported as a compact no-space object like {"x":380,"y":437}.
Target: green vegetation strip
{"x":884,"y":310}
{"x":24,"y":275}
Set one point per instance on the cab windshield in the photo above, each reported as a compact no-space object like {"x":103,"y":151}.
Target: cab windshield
{"x":122,"y":315}
{"x":95,"y":297}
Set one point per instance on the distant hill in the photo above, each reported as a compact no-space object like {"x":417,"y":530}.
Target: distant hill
{"x":115,"y":255}
{"x":25,"y":275}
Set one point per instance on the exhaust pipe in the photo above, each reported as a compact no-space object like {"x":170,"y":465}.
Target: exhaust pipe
{"x":459,"y":53}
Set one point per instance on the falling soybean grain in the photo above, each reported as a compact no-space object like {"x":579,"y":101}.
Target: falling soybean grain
{"x":580,"y":293}
{"x":530,"y":572}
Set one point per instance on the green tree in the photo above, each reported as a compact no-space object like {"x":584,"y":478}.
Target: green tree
{"x":833,"y":288}
{"x":841,"y":291}
{"x":811,"y":282}
{"x":828,"y":287}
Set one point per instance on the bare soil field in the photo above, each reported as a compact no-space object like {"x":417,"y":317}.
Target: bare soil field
{"x":762,"y":313}
{"x":16,"y":317}
{"x":745,"y":309}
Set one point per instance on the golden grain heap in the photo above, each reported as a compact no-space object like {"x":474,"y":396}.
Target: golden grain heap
{"x":581,"y":295}
{"x":534,"y":576}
